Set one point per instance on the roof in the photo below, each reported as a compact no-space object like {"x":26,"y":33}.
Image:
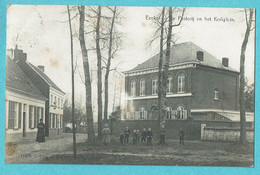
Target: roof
{"x":16,"y":79}
{"x":45,"y":77}
{"x":183,"y":53}
{"x":236,"y":116}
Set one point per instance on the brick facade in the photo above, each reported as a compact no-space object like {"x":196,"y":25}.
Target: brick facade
{"x":208,"y":85}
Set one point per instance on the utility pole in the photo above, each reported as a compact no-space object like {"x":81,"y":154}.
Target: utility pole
{"x":72,"y":80}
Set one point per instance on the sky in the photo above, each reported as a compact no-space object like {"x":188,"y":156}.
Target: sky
{"x":43,"y":33}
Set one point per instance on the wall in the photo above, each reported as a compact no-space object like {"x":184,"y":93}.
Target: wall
{"x":192,"y":128}
{"x":225,"y":133}
{"x":205,"y":80}
{"x":24,"y":100}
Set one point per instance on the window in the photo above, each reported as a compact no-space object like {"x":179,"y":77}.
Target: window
{"x":55,"y":102}
{"x":216,"y":94}
{"x":142,"y":114}
{"x":169,"y":84}
{"x":181,"y":113}
{"x":181,"y":83}
{"x":31,"y":117}
{"x":58,"y":102}
{"x":142,"y":87}
{"x":154,"y":86}
{"x":169,"y":112}
{"x":133,"y":88}
{"x":51,"y":100}
{"x":61,"y":103}
{"x":50,"y":122}
{"x":14,"y":115}
{"x":61,"y":117}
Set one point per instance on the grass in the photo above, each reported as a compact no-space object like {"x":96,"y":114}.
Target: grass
{"x":193,"y":153}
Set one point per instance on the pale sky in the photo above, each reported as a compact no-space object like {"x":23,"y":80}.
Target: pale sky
{"x":42,"y":33}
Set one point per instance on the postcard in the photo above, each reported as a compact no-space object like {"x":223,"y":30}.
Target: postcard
{"x":130,"y":85}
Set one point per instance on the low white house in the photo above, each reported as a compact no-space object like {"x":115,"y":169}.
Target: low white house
{"x":25,"y":104}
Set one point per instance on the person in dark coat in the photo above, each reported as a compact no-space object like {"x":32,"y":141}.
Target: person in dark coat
{"x":144,"y":133}
{"x":162,"y":135}
{"x":138,"y":136}
{"x":181,"y":136}
{"x":41,"y":132}
{"x":122,"y":138}
{"x":149,"y":136}
{"x":134,"y":138}
{"x":127,"y":133}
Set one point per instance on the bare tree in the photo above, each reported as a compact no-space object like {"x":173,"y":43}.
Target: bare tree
{"x":84,"y":51}
{"x":72,"y":82}
{"x":99,"y":72}
{"x":160,"y":92}
{"x":165,"y":26}
{"x":249,"y":14}
{"x":110,"y":55}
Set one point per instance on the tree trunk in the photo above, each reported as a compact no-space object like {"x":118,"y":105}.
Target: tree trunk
{"x":99,"y":73}
{"x":160,"y":103}
{"x":108,"y":64}
{"x":84,"y":51}
{"x":165,"y":70}
{"x":72,"y":82}
{"x":242,"y":79}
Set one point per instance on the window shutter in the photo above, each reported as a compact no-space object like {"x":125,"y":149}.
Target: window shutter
{"x":10,"y":120}
{"x":42,"y":114}
{"x":35,"y":117}
{"x":30,"y":116}
{"x":20,"y":115}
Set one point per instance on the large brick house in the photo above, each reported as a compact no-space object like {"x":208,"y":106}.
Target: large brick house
{"x":53,"y":104}
{"x":199,"y":85}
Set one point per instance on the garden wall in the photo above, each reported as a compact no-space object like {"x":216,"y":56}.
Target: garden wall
{"x":225,"y":133}
{"x":192,"y":128}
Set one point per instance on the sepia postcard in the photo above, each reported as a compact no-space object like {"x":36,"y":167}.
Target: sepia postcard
{"x":125,"y":85}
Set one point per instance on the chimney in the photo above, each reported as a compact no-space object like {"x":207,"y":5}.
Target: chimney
{"x":200,"y":56}
{"x":41,"y":67}
{"x":225,"y":62}
{"x":19,"y":55}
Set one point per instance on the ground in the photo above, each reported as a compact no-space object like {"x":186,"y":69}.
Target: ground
{"x":199,"y":153}
{"x":33,"y":152}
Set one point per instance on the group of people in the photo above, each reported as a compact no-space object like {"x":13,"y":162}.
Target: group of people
{"x":146,"y":136}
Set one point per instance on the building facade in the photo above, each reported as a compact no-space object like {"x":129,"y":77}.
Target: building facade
{"x":198,"y":85}
{"x":53,"y":105}
{"x":24,"y":103}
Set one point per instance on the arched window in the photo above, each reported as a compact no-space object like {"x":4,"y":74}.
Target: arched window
{"x":169,"y":84}
{"x":216,"y":94}
{"x":181,"y":113}
{"x":169,"y":113}
{"x":154,"y":86}
{"x":142,"y":87}
{"x":142,"y":113}
{"x":133,"y":88}
{"x":181,"y":83}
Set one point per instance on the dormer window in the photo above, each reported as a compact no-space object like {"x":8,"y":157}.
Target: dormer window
{"x":216,"y":94}
{"x":200,"y":56}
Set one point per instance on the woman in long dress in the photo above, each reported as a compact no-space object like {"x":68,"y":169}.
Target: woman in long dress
{"x":41,"y":132}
